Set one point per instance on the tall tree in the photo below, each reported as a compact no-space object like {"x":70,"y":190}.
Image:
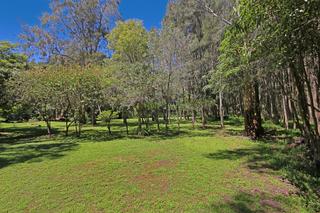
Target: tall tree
{"x":74,"y":31}
{"x":129,"y":41}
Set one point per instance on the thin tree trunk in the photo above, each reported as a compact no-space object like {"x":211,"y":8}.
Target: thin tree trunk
{"x":193,"y":119}
{"x":139,"y":125}
{"x":179,"y":117}
{"x":285,"y":111}
{"x":109,"y":128}
{"x":125,"y":121}
{"x":49,"y":130}
{"x":167,"y":116}
{"x":203,"y":117}
{"x":221,"y":109}
{"x":93,"y":116}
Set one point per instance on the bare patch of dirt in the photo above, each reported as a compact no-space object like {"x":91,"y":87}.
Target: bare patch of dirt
{"x":31,"y":207}
{"x":152,"y":183}
{"x":148,"y":181}
{"x":95,"y":209}
{"x":160,"y":164}
{"x":272,"y":184}
{"x":264,"y":185}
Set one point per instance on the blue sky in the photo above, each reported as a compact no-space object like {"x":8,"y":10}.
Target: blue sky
{"x":15,"y":13}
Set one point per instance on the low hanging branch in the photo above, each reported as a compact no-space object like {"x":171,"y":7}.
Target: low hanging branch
{"x":211,"y":11}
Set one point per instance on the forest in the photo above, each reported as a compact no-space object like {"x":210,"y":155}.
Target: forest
{"x":224,"y":85}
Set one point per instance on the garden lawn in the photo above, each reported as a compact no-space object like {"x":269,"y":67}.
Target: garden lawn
{"x":195,"y":171}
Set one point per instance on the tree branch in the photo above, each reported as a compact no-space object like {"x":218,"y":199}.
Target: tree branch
{"x":210,"y":10}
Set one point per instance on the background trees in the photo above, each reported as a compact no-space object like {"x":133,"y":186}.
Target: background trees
{"x":55,"y":93}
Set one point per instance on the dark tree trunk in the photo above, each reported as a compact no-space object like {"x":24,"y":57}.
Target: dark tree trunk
{"x":109,"y":128}
{"x":139,"y":125}
{"x":93,"y":116}
{"x":252,"y":114}
{"x":125,"y":121}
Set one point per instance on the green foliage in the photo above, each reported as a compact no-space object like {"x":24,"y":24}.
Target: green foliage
{"x":107,"y":116}
{"x":129,"y":40}
{"x":11,"y":61}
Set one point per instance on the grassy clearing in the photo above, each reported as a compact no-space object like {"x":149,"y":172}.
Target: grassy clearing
{"x":201,"y":170}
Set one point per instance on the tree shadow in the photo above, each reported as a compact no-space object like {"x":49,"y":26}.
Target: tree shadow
{"x":95,"y":135}
{"x":16,"y":135}
{"x":33,"y":153}
{"x":244,"y":202}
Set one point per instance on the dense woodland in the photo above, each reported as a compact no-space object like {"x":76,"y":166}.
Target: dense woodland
{"x":211,"y":59}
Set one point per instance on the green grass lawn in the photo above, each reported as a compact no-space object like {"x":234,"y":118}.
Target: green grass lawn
{"x":201,"y":170}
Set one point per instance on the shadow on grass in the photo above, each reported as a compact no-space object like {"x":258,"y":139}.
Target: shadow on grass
{"x":292,"y":163}
{"x":153,"y":135}
{"x":247,"y":203}
{"x":33,"y":153}
{"x":15,"y":135}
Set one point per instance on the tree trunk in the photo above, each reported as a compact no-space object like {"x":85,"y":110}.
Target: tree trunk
{"x":178,"y":118}
{"x":166,"y":119}
{"x":139,"y":125}
{"x":285,"y":111}
{"x":252,"y":114}
{"x":203,"y":117}
{"x":221,"y":110}
{"x":193,"y":118}
{"x":109,"y":128}
{"x":93,"y":116}
{"x":78,"y":128}
{"x":49,"y":130}
{"x":68,"y":124}
{"x":125,"y":121}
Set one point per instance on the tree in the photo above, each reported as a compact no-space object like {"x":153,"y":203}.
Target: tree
{"x":106,"y":117}
{"x":74,"y":31}
{"x":129,"y":41}
{"x":55,"y":90}
{"x":11,"y":62}
{"x":36,"y":89}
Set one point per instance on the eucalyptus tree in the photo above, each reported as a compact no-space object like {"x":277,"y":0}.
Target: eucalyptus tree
{"x":73,"y":31}
{"x":167,"y":50}
{"x":203,"y":32}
